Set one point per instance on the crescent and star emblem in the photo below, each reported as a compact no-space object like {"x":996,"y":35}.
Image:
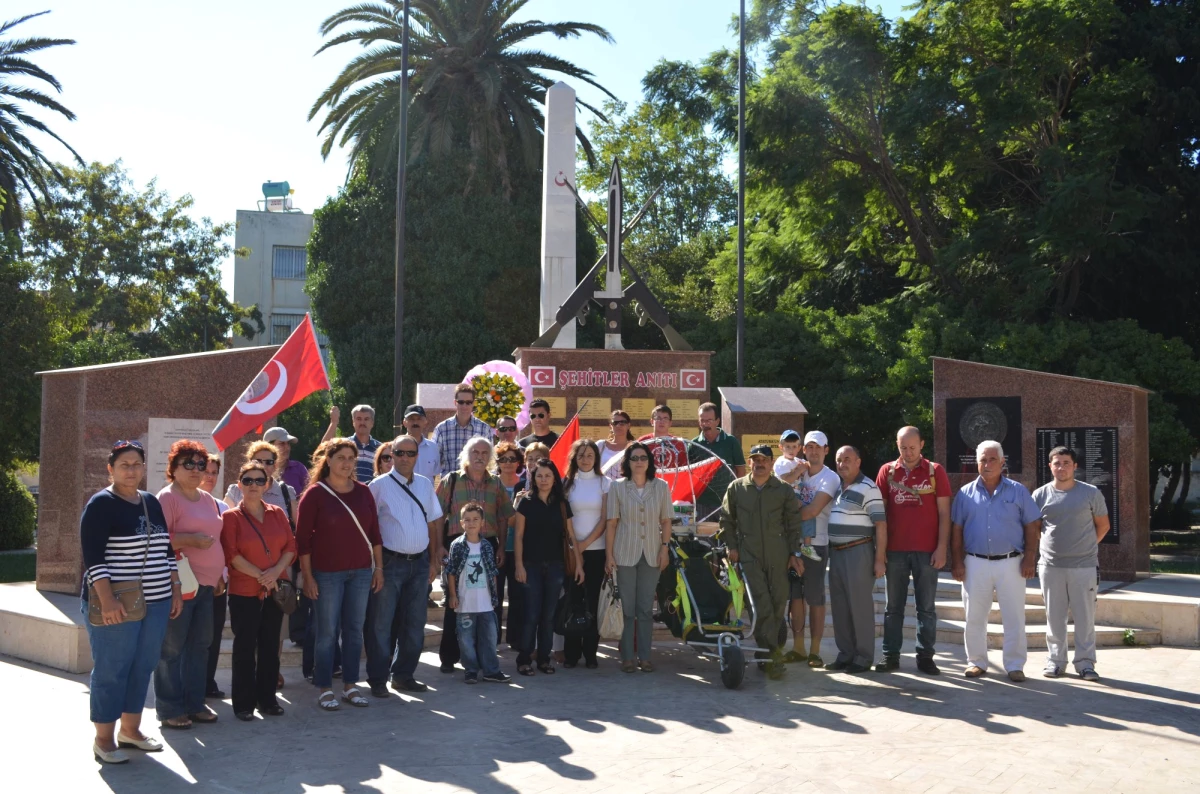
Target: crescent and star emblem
{"x":248,"y":404}
{"x":560,"y":180}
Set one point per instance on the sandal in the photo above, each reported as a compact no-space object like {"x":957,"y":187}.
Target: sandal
{"x":205,"y":716}
{"x":792,"y":657}
{"x":628,"y":667}
{"x":646,"y":666}
{"x":546,"y":668}
{"x":178,"y":723}
{"x":355,"y":698}
{"x":815,"y":661}
{"x":525,"y":669}
{"x":328,"y":701}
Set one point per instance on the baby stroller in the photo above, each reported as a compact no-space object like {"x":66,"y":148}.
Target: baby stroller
{"x":701,"y":597}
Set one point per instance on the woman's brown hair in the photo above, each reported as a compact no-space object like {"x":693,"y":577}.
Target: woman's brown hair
{"x":628,"y":433}
{"x":573,"y":462}
{"x":379,"y":453}
{"x":320,"y":458}
{"x":503,"y":448}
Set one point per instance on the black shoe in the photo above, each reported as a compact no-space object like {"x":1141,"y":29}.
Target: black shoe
{"x":570,"y":665}
{"x":447,"y":668}
{"x":591,"y":664}
{"x":471,"y":678}
{"x":213,"y":692}
{"x":379,"y":690}
{"x":837,"y":665}
{"x":498,"y":678}
{"x":244,"y":716}
{"x":889,"y":664}
{"x":409,"y":685}
{"x":926,"y":665}
{"x":272,"y":711}
{"x":855,"y":669}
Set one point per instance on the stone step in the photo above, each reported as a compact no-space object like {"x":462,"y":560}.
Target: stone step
{"x":951,"y":631}
{"x":947,"y":588}
{"x":955,"y":609}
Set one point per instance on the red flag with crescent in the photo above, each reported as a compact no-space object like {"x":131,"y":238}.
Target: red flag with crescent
{"x":294,"y":372}
{"x":560,"y":453}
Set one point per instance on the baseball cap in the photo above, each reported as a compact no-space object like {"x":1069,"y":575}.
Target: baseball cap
{"x":278,"y":434}
{"x":816,"y":436}
{"x":761,"y":449}
{"x":414,"y":409}
{"x":789,"y":435}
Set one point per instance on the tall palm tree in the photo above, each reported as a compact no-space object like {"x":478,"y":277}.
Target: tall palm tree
{"x":22,"y":163}
{"x":472,"y":85}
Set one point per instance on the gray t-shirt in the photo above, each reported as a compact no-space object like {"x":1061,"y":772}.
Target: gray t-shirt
{"x":1068,"y":532}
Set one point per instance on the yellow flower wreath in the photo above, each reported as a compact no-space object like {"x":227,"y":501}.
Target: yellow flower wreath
{"x":496,"y":395}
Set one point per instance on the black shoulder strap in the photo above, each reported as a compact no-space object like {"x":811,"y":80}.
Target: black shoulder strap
{"x":287,"y":500}
{"x":411,"y":495}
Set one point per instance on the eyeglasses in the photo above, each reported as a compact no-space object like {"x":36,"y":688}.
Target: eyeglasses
{"x":638,"y":458}
{"x":616,"y":422}
{"x":512,"y":429}
{"x":465,"y":402}
{"x":265,"y":461}
{"x":508,"y":459}
{"x":385,"y":457}
{"x":192,"y":465}
{"x":404,"y":453}
{"x":254,"y":481}
{"x":126,"y":444}
{"x":538,"y":416}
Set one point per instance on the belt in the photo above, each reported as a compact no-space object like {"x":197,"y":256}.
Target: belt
{"x":389,"y":554}
{"x":851,"y":544}
{"x":996,"y":556}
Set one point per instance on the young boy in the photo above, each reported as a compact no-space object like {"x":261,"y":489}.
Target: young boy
{"x":791,"y":468}
{"x":471,"y":577}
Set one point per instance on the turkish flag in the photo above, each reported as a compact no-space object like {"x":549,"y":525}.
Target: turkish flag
{"x":541,"y":377}
{"x":560,"y":453}
{"x":294,"y":372}
{"x":687,"y":482}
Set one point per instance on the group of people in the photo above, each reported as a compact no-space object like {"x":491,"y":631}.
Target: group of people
{"x":350,"y":548}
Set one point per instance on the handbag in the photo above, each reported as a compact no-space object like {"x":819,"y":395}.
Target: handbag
{"x":610,"y":617}
{"x":284,"y":595}
{"x":568,"y":546}
{"x":189,"y":585}
{"x":130,"y":593}
{"x":361,"y":531}
{"x":572,"y":618}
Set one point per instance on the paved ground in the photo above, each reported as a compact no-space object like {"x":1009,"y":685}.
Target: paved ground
{"x":673,"y":730}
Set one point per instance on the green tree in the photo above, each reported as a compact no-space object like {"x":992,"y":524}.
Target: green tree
{"x":23,"y":166}
{"x":129,"y":270}
{"x":475,"y":88}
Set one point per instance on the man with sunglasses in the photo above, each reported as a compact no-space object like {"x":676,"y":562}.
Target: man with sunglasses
{"x":409,"y":522}
{"x":506,"y":430}
{"x":539,"y":417}
{"x":414,"y":424}
{"x":454,"y":433}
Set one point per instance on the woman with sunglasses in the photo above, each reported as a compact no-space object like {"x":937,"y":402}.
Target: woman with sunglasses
{"x":383,"y":460}
{"x":509,"y":458}
{"x":543,"y":521}
{"x":124,"y":538}
{"x":194,"y":524}
{"x":278,"y":493}
{"x":208,"y":484}
{"x":586,"y":491}
{"x":259,"y":548}
{"x":639,"y":529}
{"x":618,"y":428}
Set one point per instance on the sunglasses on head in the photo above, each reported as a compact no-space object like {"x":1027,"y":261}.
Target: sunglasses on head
{"x":465,"y":402}
{"x":254,"y":481}
{"x":192,"y":465}
{"x":406,"y":453}
{"x":125,"y":444}
{"x":538,"y":416}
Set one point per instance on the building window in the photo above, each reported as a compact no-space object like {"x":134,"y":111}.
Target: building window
{"x":282,"y":326}
{"x":289,"y":261}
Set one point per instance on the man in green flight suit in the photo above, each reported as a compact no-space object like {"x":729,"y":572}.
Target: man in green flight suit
{"x":760,"y":525}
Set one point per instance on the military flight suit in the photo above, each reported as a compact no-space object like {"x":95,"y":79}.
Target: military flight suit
{"x":763,"y":526}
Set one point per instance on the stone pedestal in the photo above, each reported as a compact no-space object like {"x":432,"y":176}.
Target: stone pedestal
{"x":86,"y":409}
{"x":758,"y":416}
{"x":1031,"y":412}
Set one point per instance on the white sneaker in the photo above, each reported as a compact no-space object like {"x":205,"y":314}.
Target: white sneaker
{"x":809,"y":552}
{"x":1051,"y":670}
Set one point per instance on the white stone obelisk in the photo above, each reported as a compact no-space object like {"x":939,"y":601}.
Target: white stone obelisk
{"x":558,"y":210}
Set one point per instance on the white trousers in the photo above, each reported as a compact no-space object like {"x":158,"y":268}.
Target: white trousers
{"x":1003,"y":578}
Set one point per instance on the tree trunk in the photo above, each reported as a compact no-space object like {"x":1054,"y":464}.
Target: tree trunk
{"x":1187,"y":484}
{"x":1162,"y":511}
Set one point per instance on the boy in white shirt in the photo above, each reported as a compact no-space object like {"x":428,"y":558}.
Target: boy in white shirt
{"x":791,"y":468}
{"x":471,"y":579}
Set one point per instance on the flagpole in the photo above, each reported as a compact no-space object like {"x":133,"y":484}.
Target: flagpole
{"x":401,"y":173}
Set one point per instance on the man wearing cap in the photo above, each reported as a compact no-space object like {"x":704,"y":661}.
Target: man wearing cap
{"x":760,"y":526}
{"x":816,"y":486}
{"x":414,"y":424}
{"x":857,"y":519}
{"x":293,"y":471}
{"x":453,"y":434}
{"x":916,"y":496}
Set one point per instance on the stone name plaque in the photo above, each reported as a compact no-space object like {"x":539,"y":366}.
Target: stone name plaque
{"x":165,"y":432}
{"x":1096,"y":454}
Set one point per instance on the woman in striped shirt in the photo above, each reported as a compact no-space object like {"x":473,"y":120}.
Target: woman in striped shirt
{"x":123,"y":536}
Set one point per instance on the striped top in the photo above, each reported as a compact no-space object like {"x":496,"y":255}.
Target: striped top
{"x":639,"y":520}
{"x":855,"y":511}
{"x":113,"y":536}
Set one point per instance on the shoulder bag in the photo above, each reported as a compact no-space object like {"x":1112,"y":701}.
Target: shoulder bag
{"x":284,"y":594}
{"x":361,"y":531}
{"x":130,"y":593}
{"x":610,"y":619}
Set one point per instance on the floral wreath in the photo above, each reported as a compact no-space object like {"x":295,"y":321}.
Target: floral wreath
{"x":501,"y":389}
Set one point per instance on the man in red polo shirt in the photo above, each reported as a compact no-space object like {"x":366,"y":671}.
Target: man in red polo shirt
{"x":916,"y":494}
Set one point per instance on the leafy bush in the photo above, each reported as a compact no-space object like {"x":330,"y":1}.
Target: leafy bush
{"x":18,"y":514}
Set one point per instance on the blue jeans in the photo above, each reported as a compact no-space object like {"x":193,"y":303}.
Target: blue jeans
{"x":182,"y":673}
{"x":477,"y":642}
{"x":308,"y":650}
{"x":341,"y":597}
{"x":900,"y":565}
{"x":543,"y":583}
{"x":808,"y":530}
{"x":401,"y":601}
{"x":123,"y":659}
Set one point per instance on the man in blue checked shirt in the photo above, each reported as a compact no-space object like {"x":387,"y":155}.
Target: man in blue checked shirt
{"x":994,"y":529}
{"x":454,"y":433}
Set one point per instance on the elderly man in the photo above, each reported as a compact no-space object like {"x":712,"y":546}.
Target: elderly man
{"x":539,"y":418}
{"x":994,"y":525}
{"x":1074,"y":520}
{"x":760,"y":525}
{"x":409,"y":523}
{"x":858,"y":541}
{"x":452,"y":434}
{"x":363,"y":419}
{"x":472,"y":482}
{"x":916,"y":494}
{"x":415,"y":422}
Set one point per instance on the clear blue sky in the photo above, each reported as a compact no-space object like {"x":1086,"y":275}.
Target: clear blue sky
{"x":211,"y":98}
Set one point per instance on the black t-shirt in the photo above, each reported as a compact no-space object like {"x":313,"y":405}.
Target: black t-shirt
{"x":547,"y":439}
{"x":543,"y":539}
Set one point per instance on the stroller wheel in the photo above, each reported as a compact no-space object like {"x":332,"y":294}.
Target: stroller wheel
{"x":733,"y":666}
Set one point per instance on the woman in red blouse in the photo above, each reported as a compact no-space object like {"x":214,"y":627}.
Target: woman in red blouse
{"x":341,"y":559}
{"x":259,"y":547}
